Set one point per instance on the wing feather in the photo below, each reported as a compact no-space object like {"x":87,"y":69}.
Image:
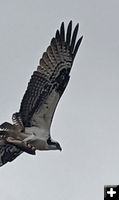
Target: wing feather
{"x":62,"y":32}
{"x":8,"y":152}
{"x":48,"y":83}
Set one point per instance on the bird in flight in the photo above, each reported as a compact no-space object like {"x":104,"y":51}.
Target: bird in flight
{"x":30,"y":130}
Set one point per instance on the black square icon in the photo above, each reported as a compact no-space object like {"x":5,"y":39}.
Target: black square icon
{"x":111,"y":192}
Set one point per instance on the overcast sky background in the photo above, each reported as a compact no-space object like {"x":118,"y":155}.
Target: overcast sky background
{"x":86,"y":122}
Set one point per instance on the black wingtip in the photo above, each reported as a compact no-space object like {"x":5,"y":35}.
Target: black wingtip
{"x":68,"y":35}
{"x":58,"y":36}
{"x":70,"y":22}
{"x":77,"y":46}
{"x":62,"y":32}
{"x":74,"y":36}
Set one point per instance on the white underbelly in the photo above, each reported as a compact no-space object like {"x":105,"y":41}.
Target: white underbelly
{"x":40,"y":133}
{"x":37,"y":137}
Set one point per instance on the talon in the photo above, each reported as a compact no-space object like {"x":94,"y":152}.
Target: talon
{"x":25,"y":143}
{"x":24,"y":146}
{"x":33,"y":148}
{"x":10,"y":139}
{"x":29,"y":145}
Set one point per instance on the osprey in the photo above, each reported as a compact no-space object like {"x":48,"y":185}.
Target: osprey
{"x":30,"y":130}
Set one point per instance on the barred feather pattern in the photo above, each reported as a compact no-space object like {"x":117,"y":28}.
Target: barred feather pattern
{"x":8,"y":152}
{"x":52,"y":73}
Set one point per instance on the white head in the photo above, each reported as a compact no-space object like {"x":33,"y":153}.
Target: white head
{"x":53,"y":145}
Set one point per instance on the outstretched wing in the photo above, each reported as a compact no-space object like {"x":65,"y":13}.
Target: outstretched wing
{"x":48,"y":83}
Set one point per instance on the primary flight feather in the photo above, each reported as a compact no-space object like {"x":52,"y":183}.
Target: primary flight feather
{"x":30,"y":130}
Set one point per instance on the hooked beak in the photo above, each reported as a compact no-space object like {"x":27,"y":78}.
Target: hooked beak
{"x":59,"y":147}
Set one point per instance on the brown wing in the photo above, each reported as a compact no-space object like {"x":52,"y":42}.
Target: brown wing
{"x":48,"y":83}
{"x":8,"y":152}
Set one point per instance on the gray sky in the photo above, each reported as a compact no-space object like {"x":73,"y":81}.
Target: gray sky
{"x":86,"y":122}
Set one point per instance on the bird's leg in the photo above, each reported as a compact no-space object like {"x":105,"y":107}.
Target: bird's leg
{"x":14,"y":136}
{"x":31,"y":140}
{"x":22,"y":145}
